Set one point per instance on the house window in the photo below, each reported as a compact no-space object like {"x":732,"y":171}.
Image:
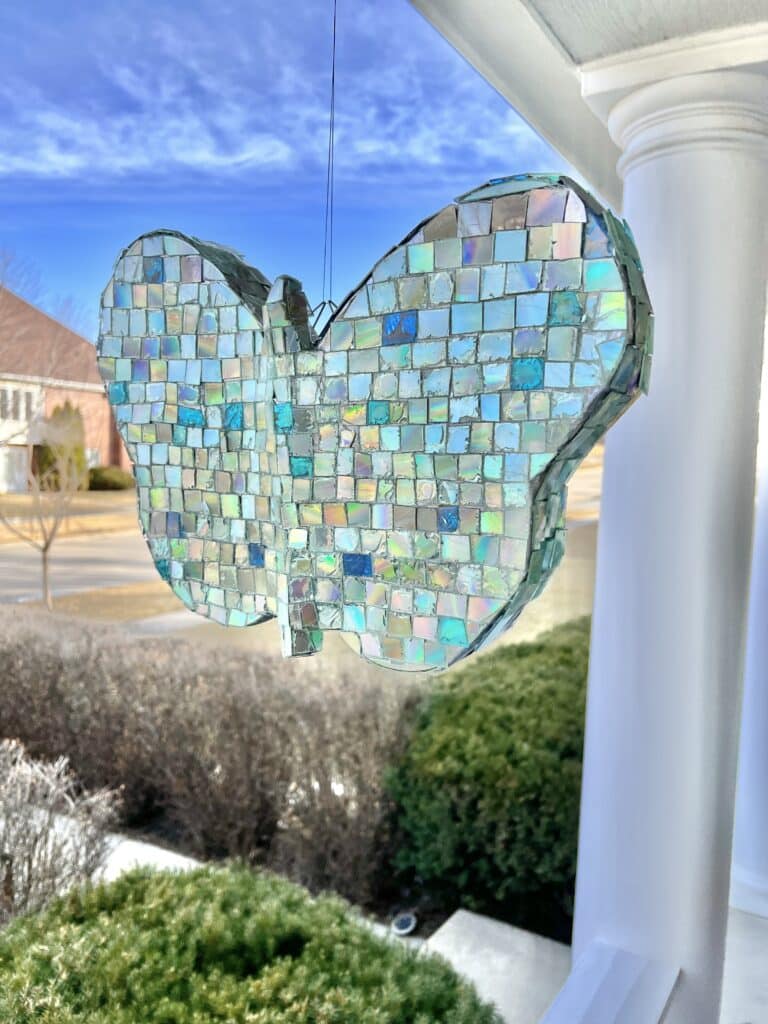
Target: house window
{"x":15,"y":405}
{"x":4,"y":405}
{"x":29,"y":405}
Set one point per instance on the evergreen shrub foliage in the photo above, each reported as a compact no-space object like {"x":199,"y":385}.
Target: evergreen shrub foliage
{"x":109,"y":478}
{"x":218,"y":946}
{"x":487,"y":792}
{"x":62,"y":451}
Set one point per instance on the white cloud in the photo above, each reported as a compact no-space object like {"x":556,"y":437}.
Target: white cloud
{"x":212,"y":89}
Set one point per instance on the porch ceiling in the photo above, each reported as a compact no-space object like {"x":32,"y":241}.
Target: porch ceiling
{"x":562,"y":66}
{"x":592,"y":29}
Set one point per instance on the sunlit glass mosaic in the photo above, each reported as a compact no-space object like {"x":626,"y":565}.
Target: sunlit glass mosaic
{"x":402,"y":477}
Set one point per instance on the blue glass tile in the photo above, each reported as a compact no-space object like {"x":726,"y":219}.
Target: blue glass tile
{"x":301,"y":465}
{"x":462,"y":350}
{"x":529,"y":342}
{"x":523,"y":277}
{"x":477,"y":250}
{"x":532,"y":309}
{"x":451,"y":631}
{"x":494,"y":346}
{"x":399,"y":327}
{"x":561,"y":343}
{"x":602,"y":276}
{"x":434,"y":323}
{"x":507,"y":436}
{"x":434,"y":438}
{"x":211,"y":371}
{"x":163,"y":567}
{"x":173,"y":525}
{"x":493,"y":279}
{"x":140,"y":370}
{"x":557,"y":375}
{"x":458,"y":439}
{"x":189,"y":417}
{"x":378,"y":412}
{"x":357,"y":565}
{"x":283,"y":416}
{"x":154,"y":269}
{"x":516,"y":468}
{"x":390,"y":439}
{"x":354,"y":618}
{"x":566,"y":404}
{"x":596,"y":240}
{"x":610,"y":353}
{"x":256,"y":555}
{"x":156,"y":321}
{"x":122,"y":295}
{"x":234,"y":417}
{"x":118,"y":392}
{"x":492,"y":467}
{"x":489,"y":407}
{"x":499,"y":314}
{"x":382,"y":297}
{"x":586,"y":374}
{"x":177,"y":369}
{"x":169,"y":345}
{"x":359,"y":305}
{"x":466,"y":317}
{"x":562,"y":274}
{"x":527,"y":374}
{"x":511,"y":246}
{"x":566,"y":308}
{"x":227,"y":322}
{"x":448,"y":519}
{"x":468,"y":284}
{"x":391,"y":266}
{"x":495,"y":375}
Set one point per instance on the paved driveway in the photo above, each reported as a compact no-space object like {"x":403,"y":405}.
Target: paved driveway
{"x":77,"y":563}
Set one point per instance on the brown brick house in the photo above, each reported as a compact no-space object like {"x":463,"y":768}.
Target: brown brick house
{"x":43,"y":364}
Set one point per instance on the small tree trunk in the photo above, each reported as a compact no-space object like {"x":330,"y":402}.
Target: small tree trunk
{"x":6,"y":894}
{"x":47,"y":596}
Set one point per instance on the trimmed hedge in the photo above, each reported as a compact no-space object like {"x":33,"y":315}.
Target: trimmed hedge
{"x":109,"y":478}
{"x":488,"y":791}
{"x":218,"y":946}
{"x":272,"y":761}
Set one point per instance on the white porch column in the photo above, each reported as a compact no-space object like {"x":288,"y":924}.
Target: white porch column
{"x":749,"y":873}
{"x":675,"y":536}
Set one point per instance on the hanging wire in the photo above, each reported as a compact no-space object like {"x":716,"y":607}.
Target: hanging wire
{"x":327,"y":305}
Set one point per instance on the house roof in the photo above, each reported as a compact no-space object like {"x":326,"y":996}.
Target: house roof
{"x":34,"y":344}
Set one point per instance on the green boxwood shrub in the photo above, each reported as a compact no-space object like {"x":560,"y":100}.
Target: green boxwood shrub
{"x":487,"y":794}
{"x":109,"y":478}
{"x":217,"y":945}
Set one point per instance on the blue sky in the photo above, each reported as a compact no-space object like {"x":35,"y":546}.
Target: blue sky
{"x":211,"y":117}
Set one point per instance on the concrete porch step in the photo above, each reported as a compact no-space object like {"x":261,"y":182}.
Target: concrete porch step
{"x":521,"y":973}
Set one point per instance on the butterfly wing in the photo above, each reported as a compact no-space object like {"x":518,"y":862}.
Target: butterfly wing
{"x":427,"y":440}
{"x":180,"y":352}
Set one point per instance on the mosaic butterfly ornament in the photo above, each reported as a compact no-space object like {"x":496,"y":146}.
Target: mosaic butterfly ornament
{"x":402,"y":476}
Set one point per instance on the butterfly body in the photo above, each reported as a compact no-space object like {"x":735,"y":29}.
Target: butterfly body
{"x":401,"y":477}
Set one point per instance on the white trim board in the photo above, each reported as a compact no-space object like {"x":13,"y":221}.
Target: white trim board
{"x":605,"y":81}
{"x":512,"y":50}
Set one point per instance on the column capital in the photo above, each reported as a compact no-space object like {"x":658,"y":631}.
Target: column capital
{"x":715,"y":111}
